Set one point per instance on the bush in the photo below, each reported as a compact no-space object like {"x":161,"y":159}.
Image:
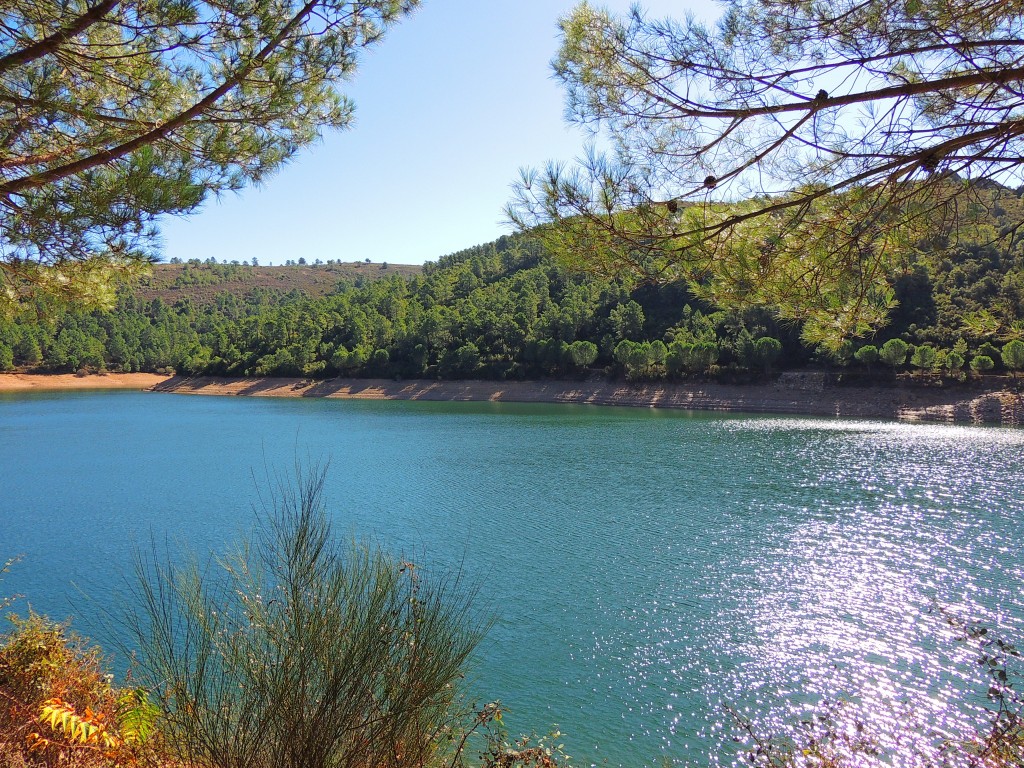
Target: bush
{"x":58,"y":706}
{"x":982,"y":363}
{"x":867,"y":355}
{"x":894,"y":353}
{"x":924,"y":357}
{"x":296,"y":651}
{"x":1013,"y":355}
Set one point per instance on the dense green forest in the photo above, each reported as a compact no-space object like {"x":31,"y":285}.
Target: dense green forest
{"x":507,"y":310}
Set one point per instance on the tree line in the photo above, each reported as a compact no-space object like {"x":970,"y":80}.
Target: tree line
{"x":507,"y":309}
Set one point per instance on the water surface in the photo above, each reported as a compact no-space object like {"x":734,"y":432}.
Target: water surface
{"x":646,"y":567}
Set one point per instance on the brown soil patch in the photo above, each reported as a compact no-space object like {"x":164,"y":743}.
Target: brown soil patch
{"x":25,"y":382}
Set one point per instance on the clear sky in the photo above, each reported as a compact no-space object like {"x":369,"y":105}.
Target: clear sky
{"x":449,"y":106}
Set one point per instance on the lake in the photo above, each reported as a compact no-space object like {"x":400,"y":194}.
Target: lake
{"x":646,"y":567}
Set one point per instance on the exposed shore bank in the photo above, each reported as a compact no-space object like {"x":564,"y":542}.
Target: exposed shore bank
{"x":793,"y":393}
{"x":991,"y":402}
{"x":57,"y":382}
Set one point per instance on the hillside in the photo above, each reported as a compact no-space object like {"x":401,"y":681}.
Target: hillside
{"x":507,"y":310}
{"x":201,"y":282}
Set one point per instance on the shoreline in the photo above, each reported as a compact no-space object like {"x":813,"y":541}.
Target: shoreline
{"x":63,"y":382}
{"x":794,"y":393}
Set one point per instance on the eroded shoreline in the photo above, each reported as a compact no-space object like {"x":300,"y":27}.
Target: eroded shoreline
{"x":995,"y":402}
{"x":794,"y":394}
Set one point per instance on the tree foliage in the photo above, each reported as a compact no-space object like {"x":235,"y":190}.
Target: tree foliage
{"x":787,"y":155}
{"x":868,"y":355}
{"x":113,"y":112}
{"x":503,"y":310}
{"x":1013,"y":355}
{"x":894,"y":353}
{"x":924,"y":357}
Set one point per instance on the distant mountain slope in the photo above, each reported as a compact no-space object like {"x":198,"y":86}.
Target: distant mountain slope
{"x":201,"y":282}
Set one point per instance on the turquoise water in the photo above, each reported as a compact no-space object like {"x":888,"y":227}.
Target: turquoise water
{"x":646,"y":567}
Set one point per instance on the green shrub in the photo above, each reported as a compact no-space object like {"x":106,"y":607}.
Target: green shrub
{"x":867,"y":355}
{"x":299,"y":652}
{"x":1013,"y":355}
{"x":893,"y":353}
{"x":982,"y":363}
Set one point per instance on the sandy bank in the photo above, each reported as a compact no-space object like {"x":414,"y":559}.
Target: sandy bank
{"x":24,"y":382}
{"x":793,"y":393}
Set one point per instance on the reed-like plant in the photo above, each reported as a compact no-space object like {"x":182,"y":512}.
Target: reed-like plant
{"x":297,"y":651}
{"x":7,"y":600}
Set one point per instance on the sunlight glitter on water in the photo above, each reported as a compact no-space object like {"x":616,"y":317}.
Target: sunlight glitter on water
{"x":904,"y":430}
{"x":851,"y":598}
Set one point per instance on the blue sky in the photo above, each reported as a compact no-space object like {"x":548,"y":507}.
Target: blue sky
{"x":449,"y":106}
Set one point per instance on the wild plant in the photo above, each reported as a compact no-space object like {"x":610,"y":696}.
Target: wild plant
{"x":297,"y":651}
{"x":57,"y":705}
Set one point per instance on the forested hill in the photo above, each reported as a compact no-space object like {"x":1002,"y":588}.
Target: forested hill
{"x":506,"y":310}
{"x":201,"y":282}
